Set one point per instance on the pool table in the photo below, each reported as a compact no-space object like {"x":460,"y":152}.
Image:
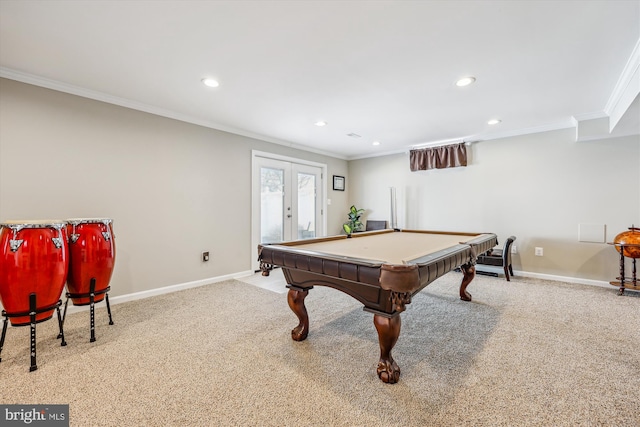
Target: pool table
{"x":381,"y":269}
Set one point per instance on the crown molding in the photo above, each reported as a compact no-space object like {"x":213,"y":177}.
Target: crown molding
{"x":626,"y":89}
{"x":577,"y":118}
{"x":567,"y":124}
{"x":134,"y":105}
{"x":620,"y":94}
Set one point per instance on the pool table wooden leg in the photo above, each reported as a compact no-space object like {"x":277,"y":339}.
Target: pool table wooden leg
{"x":388,"y":331}
{"x":469,"y":271}
{"x":295,"y":298}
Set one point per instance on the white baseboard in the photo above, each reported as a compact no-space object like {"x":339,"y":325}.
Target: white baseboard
{"x":164,"y":290}
{"x":555,"y":278}
{"x":564,"y":279}
{"x":181,"y":286}
{"x":159,"y":291}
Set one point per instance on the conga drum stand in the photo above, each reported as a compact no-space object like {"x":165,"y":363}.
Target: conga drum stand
{"x":91,"y":295}
{"x":32,"y":316}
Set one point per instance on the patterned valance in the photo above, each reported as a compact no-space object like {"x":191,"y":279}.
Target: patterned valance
{"x":446,"y":156}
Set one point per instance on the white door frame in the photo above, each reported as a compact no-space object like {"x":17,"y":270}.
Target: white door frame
{"x":255,"y":198}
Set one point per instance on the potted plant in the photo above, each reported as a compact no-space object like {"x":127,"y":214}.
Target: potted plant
{"x":354,"y":224}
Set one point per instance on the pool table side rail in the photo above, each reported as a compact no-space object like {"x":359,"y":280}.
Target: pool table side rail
{"x":433,"y":266}
{"x":298,"y":242}
{"x":361,"y":281}
{"x":429,"y":267}
{"x":280,"y":252}
{"x":453,"y":233}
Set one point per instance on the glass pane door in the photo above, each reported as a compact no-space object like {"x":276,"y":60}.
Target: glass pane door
{"x":271,"y":204}
{"x":306,"y":212}
{"x":286,"y":200}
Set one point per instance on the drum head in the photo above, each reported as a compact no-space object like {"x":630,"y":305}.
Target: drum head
{"x":77,"y":221}
{"x":35,"y":223}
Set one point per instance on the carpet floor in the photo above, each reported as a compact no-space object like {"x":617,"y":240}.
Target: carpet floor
{"x":523,"y":353}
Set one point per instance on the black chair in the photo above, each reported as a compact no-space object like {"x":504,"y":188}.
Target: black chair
{"x":499,"y":258}
{"x":375,"y":225}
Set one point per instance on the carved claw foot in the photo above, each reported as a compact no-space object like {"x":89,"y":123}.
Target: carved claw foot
{"x":388,"y":331}
{"x":299,"y":333}
{"x":388,"y":371}
{"x":295,"y":298}
{"x":265,"y":268}
{"x":469,"y":271}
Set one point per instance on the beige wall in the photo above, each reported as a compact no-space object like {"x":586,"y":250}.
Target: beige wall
{"x":538,"y":187}
{"x":173,"y":189}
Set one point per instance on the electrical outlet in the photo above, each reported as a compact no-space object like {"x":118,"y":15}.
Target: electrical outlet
{"x":514,"y":249}
{"x":539,"y":251}
{"x":205,"y":256}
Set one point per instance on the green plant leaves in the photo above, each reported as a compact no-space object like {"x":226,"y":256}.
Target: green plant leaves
{"x":354,"y":223}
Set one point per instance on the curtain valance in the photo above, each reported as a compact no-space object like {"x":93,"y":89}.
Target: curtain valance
{"x":446,"y":156}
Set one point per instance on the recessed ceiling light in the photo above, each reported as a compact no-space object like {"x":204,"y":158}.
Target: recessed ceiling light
{"x":494,"y":121}
{"x":465,"y":81}
{"x":210,"y":82}
{"x":376,"y":142}
{"x":320,"y":123}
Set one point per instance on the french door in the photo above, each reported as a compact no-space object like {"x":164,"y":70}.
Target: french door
{"x":287,"y":199}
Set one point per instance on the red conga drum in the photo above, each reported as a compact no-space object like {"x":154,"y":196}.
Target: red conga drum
{"x":33,"y":259}
{"x":92,"y":254}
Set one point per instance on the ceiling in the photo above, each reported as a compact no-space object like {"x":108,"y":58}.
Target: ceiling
{"x":384,"y":70}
